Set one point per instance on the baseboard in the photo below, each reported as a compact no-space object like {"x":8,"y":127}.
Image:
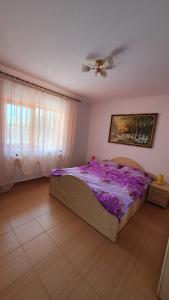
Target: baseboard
{"x":37,"y":179}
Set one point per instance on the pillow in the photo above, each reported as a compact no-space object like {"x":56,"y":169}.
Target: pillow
{"x":104,"y":163}
{"x":109,"y":163}
{"x":133,"y":171}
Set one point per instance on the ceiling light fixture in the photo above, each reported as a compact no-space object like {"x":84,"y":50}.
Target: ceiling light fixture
{"x":99,"y":66}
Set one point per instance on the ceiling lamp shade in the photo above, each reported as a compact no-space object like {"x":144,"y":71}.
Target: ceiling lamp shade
{"x":108,"y":62}
{"x":99,"y":66}
{"x":109,"y":59}
{"x":103,"y":73}
{"x":85,"y":68}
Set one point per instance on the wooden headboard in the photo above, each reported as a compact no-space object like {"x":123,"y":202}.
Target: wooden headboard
{"x":127,"y":162}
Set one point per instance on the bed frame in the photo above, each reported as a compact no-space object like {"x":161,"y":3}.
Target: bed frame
{"x":77,"y":196}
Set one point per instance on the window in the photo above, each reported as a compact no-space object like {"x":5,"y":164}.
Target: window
{"x":17,"y":125}
{"x":35,"y":127}
{"x":31,"y":128}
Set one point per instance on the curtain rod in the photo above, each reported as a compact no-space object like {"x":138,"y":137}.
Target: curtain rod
{"x":37,"y":86}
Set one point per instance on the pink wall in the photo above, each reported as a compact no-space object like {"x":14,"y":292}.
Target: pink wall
{"x":81,"y":134}
{"x":156,"y":159}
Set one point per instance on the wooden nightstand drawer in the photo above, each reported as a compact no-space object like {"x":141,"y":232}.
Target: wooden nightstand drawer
{"x":155,"y":192}
{"x":158,"y":194}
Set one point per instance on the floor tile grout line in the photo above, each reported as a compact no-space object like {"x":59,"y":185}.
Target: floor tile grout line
{"x":4,"y":220}
{"x":31,"y":269}
{"x":78,"y":271}
{"x":153,"y":219}
{"x":43,"y":214}
{"x":26,"y":208}
{"x":50,"y":227}
{"x":13,"y":228}
{"x":13,"y":282}
{"x":12,"y":215}
{"x":20,"y":211}
{"x":21,"y":224}
{"x":22,"y":244}
{"x":46,"y":213}
{"x":8,"y":253}
{"x":33,"y":266}
{"x":4,"y":233}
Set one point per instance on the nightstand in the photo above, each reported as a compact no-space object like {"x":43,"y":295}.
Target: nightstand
{"x":158,"y":194}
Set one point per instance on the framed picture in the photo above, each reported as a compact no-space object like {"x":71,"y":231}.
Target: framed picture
{"x":134,"y":129}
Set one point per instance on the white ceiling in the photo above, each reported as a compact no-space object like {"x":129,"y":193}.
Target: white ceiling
{"x":50,"y":39}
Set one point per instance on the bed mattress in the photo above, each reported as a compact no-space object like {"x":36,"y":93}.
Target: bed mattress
{"x":115,"y":186}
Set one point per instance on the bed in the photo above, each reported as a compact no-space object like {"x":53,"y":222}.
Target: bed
{"x":77,"y":195}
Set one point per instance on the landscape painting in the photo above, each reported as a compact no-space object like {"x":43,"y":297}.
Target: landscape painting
{"x":134,"y":129}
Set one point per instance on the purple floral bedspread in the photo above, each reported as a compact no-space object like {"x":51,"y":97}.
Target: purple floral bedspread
{"x":115,"y":186}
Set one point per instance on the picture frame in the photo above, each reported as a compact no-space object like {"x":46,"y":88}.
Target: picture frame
{"x":133,"y":129}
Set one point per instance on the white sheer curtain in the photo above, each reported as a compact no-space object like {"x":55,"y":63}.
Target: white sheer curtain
{"x":36,"y":131}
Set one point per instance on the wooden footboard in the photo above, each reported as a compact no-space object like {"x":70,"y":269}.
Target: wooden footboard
{"x":132,"y":210}
{"x":77,"y":196}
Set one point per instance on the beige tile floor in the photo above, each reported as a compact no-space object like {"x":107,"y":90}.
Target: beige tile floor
{"x":47,"y":252}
